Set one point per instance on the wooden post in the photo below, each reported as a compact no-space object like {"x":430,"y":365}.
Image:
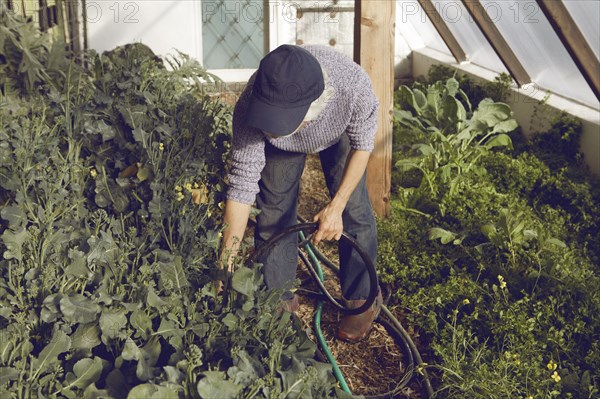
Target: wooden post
{"x":374,"y":51}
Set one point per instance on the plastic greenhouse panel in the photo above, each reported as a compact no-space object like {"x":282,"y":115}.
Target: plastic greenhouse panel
{"x":467,"y":33}
{"x":529,"y":34}
{"x":411,"y":19}
{"x":585,"y":14}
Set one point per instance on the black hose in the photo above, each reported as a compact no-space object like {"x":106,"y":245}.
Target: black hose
{"x":392,"y":326}
{"x":309,"y":229}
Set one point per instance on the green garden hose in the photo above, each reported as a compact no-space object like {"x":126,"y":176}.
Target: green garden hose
{"x":393,"y":326}
{"x":317,"y":320}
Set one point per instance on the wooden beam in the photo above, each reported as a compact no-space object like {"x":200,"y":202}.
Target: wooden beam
{"x":442,"y":28}
{"x":579,"y":49}
{"x":496,"y":40}
{"x":374,"y":51}
{"x":73,"y":20}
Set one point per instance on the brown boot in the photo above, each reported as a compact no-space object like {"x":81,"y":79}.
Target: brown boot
{"x":354,"y":328}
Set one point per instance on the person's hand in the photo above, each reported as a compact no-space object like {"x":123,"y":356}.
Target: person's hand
{"x":331,"y":225}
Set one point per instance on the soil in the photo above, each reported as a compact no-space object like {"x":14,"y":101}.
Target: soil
{"x":375,"y":365}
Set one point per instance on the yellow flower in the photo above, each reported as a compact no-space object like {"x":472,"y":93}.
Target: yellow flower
{"x":507,"y":355}
{"x":161,"y":146}
{"x":502,"y":282}
{"x":196,"y":185}
{"x":178,"y":188}
{"x":555,"y":377}
{"x":529,"y":397}
{"x":466,"y":301}
{"x":93,"y":173}
{"x":188,"y":186}
{"x":551,"y":365}
{"x":179,"y":196}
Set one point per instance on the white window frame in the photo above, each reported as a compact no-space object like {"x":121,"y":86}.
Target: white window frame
{"x":281,"y":30}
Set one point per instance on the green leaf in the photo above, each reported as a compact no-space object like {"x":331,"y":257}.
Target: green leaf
{"x":91,"y":392}
{"x":501,"y":140}
{"x":557,"y":242}
{"x":452,"y":86}
{"x":230,"y":320}
{"x":292,"y":381}
{"x":87,"y":336}
{"x":14,"y":215}
{"x":116,"y":384}
{"x":130,"y":350}
{"x":445,"y":236}
{"x":168,"y":329}
{"x":489,"y":230}
{"x":144,"y":173}
{"x":407,"y":98}
{"x":112,"y":323}
{"x":108,"y":132}
{"x":78,"y":266}
{"x":59,"y":344}
{"x":14,"y":243}
{"x":79,"y":309}
{"x":102,"y":249}
{"x":406,"y":165}
{"x":172,"y":274}
{"x":425,"y":149}
{"x":141,"y":322}
{"x":491,"y":113}
{"x":213,"y":239}
{"x":152,"y":391}
{"x":420,"y":99}
{"x":243,"y":281}
{"x":506,"y":126}
{"x":148,"y":356}
{"x":8,"y":374}
{"x":215,"y":386}
{"x":86,"y":371}
{"x":153,"y":300}
{"x":51,"y":308}
{"x":245,"y":369}
{"x":144,"y":391}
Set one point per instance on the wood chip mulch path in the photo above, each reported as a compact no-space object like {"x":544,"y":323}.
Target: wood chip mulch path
{"x":375,"y":365}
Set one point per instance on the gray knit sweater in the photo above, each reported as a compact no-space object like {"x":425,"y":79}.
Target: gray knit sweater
{"x":353,"y":110}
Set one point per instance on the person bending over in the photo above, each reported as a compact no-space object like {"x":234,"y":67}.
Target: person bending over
{"x":302,"y":100}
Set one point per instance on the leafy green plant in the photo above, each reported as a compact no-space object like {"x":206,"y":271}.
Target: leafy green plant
{"x":498,"y":90}
{"x":456,"y":137}
{"x":497,"y":273}
{"x":109,"y":230}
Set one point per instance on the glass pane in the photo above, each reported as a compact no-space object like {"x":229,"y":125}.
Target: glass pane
{"x":468,"y":35}
{"x":233,"y":33}
{"x":531,"y":37}
{"x":586,"y":14}
{"x":416,"y":28}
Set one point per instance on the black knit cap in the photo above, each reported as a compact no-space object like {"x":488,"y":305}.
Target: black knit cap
{"x":288,"y":80}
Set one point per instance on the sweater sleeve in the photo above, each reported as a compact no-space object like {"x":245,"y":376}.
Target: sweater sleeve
{"x":363,"y":123}
{"x":247,"y":155}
